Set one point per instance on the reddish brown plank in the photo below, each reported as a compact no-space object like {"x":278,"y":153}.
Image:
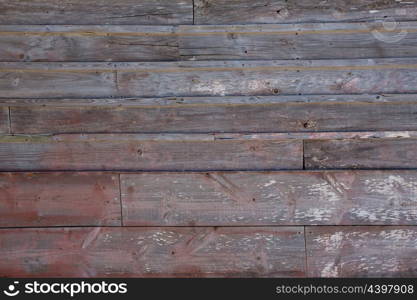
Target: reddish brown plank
{"x":360,"y":153}
{"x":362,"y":251}
{"x":270,"y":198}
{"x":153,"y":252}
{"x":94,"y":12}
{"x":136,"y":152}
{"x":59,"y":199}
{"x":300,"y":11}
{"x":216,"y":117}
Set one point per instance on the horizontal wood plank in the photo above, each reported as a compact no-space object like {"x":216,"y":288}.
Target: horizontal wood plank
{"x":270,"y":198}
{"x":88,"y":43}
{"x":59,"y":199}
{"x":363,"y":153}
{"x":294,"y":11}
{"x":153,"y":252}
{"x":229,"y":117}
{"x":129,"y":152}
{"x":340,"y":251}
{"x":301,"y":41}
{"x":210,"y":100}
{"x":135,"y":12}
{"x":126,"y":43}
{"x":209,"y":78}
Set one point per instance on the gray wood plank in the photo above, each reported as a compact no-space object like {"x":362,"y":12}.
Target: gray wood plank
{"x":210,"y":100}
{"x":56,"y":80}
{"x":88,"y":43}
{"x":340,"y":251}
{"x":300,"y":41}
{"x":294,"y":11}
{"x":222,"y":117}
{"x":363,"y":153}
{"x":212,"y":78}
{"x":130,"y":152}
{"x":59,"y":199}
{"x":270,"y":198}
{"x":4,"y":120}
{"x":153,"y":252}
{"x":96,"y":12}
{"x":162,"y":43}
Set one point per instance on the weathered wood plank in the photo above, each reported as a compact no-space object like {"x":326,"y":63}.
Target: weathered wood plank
{"x":88,"y":43}
{"x":212,"y":78}
{"x":78,"y":12}
{"x":153,"y":43}
{"x":130,"y":152}
{"x":270,"y":198}
{"x":153,"y":252}
{"x":301,"y":41}
{"x":212,"y":100}
{"x":283,"y":11}
{"x":222,"y":117}
{"x":59,"y":199}
{"x":56,"y":80}
{"x":361,"y":251}
{"x":221,"y":78}
{"x":363,"y":153}
{"x":4,"y":120}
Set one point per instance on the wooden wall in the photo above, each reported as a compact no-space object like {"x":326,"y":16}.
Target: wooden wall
{"x":208,"y":138}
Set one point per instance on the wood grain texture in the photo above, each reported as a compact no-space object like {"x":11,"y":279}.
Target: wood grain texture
{"x":126,"y":43}
{"x":88,"y":43}
{"x":59,"y":199}
{"x":270,"y":198}
{"x":364,"y":153}
{"x":283,"y":11}
{"x":221,"y":117}
{"x":340,"y":251}
{"x":153,"y":252}
{"x":129,"y":152}
{"x":205,"y":101}
{"x":78,"y":12}
{"x":4,"y":120}
{"x":300,"y":41}
{"x":208,"y":78}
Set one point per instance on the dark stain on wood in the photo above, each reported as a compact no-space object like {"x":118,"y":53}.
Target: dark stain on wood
{"x":59,"y":199}
{"x":363,"y":154}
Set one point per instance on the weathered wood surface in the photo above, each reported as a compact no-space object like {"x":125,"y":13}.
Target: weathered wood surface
{"x":208,"y":78}
{"x":153,"y":252}
{"x":88,"y":43}
{"x":270,"y":198}
{"x":301,"y":41}
{"x":4,"y":120}
{"x":94,"y":12}
{"x":164,"y":43}
{"x":294,"y":11}
{"x":131,"y":152}
{"x":363,"y":153}
{"x":59,"y":199}
{"x":211,"y":100}
{"x":385,"y":251}
{"x":221,"y":117}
